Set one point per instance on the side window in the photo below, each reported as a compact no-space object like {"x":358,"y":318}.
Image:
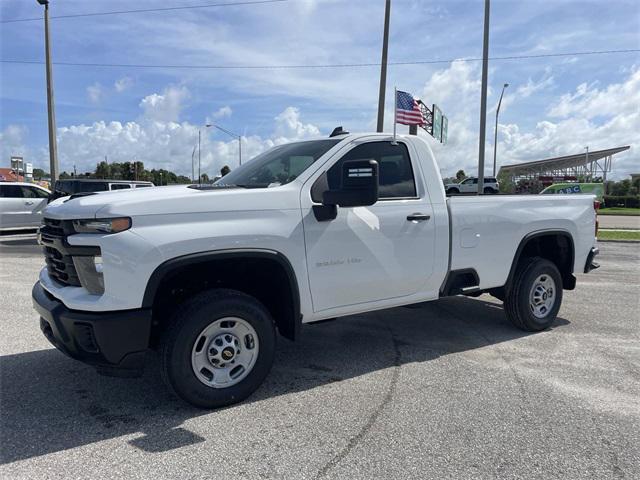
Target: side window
{"x":119,"y":186}
{"x":10,"y":191}
{"x":33,"y":192}
{"x":468,"y":181}
{"x":41,"y":193}
{"x":142,"y":185}
{"x":395,"y":173}
{"x":475,"y":181}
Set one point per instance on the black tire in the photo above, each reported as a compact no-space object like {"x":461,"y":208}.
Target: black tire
{"x":453,"y":191}
{"x":517,"y":303}
{"x":489,"y":190}
{"x":186,"y":325}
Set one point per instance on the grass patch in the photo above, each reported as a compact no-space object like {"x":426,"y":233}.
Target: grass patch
{"x":619,"y":235}
{"x":619,"y":211}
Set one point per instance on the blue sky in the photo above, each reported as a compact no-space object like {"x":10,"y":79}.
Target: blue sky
{"x":553,"y":106}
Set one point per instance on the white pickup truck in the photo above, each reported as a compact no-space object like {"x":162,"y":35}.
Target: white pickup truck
{"x":307,"y":231}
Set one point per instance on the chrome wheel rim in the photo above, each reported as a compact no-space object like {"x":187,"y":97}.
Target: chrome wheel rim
{"x":225,"y":352}
{"x":542,"y":296}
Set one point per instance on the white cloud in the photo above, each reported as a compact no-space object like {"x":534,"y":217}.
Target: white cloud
{"x":598,"y":117}
{"x":95,"y":93}
{"x":160,"y":140}
{"x":123,"y":84}
{"x":589,"y":101}
{"x":167,"y":106}
{"x":456,"y":90}
{"x":12,"y":142}
{"x":594,"y":117}
{"x":223,"y":112}
{"x":288,"y":125}
{"x":533,"y":86}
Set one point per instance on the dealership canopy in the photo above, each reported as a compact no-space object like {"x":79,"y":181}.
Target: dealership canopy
{"x":580,"y":164}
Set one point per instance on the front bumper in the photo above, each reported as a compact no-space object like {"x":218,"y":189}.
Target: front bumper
{"x":114,"y":342}
{"x":590,"y":264}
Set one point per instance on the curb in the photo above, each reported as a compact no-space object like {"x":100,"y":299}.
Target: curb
{"x":618,"y":241}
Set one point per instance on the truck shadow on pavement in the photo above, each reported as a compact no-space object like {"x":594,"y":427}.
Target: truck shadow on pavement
{"x":50,"y":403}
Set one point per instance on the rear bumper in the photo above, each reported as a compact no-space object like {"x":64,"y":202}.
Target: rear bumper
{"x":590,"y":264}
{"x":114,"y":342}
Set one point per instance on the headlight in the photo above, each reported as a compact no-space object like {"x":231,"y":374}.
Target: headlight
{"x":89,"y":269}
{"x":102,"y":225}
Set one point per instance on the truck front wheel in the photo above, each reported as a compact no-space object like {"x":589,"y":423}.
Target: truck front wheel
{"x":218,"y":348}
{"x":533,"y":299}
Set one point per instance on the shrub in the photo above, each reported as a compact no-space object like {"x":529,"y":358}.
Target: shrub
{"x":627,"y":201}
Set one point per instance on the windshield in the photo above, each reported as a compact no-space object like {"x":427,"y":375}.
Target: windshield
{"x":277,"y":166}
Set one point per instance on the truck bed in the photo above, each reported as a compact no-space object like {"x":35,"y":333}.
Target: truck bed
{"x":486,"y":230}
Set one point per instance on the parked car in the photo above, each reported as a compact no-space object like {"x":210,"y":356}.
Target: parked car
{"x":21,"y":205}
{"x":67,"y":187}
{"x":470,"y":185}
{"x":307,"y":231}
{"x":596,"y":189}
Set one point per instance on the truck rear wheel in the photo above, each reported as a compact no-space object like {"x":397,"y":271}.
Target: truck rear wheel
{"x":534,"y":298}
{"x":218,"y":348}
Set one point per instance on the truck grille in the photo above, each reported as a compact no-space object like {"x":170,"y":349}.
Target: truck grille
{"x":53,"y":236}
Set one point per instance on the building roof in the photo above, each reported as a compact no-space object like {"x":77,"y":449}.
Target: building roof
{"x":558,"y":163}
{"x":8,"y":175}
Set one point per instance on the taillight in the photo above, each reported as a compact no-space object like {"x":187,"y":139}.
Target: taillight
{"x":596,"y":207}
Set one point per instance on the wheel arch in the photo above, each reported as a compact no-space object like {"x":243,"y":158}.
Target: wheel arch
{"x":230,"y":265}
{"x":556,"y":246}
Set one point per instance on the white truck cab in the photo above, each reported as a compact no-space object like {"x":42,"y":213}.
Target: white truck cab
{"x":470,"y":185}
{"x":209,"y":274}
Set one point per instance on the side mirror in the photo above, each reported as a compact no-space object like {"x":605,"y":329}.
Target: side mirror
{"x":359,"y":185}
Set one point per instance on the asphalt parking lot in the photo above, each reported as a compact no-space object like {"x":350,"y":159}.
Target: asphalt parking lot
{"x":444,"y":390}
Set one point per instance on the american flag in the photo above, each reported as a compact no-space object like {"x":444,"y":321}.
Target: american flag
{"x":407,"y":109}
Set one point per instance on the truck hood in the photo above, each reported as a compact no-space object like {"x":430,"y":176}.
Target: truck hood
{"x":174,"y":199}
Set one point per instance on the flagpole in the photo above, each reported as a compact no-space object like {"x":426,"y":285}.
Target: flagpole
{"x":395,"y":111}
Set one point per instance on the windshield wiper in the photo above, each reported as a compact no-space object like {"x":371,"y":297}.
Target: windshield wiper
{"x":252,"y":185}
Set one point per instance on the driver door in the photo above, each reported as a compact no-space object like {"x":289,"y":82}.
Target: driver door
{"x":368,"y":254}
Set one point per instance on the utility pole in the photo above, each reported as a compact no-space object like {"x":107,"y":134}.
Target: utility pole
{"x":495,"y":136}
{"x":53,"y":147}
{"x":483,"y":99}
{"x":383,"y":67}
{"x":199,"y":175}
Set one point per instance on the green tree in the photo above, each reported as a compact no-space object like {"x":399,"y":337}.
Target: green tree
{"x":39,"y":173}
{"x":460,"y":175}
{"x":506,"y":185}
{"x":621,"y":188}
{"x":103,"y":170}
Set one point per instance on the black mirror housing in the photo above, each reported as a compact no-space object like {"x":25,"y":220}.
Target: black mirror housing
{"x":359,"y":185}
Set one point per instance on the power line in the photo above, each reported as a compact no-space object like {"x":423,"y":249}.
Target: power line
{"x":147,"y":10}
{"x":326,"y":65}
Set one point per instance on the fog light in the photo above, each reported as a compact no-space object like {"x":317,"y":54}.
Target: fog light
{"x":89,"y":269}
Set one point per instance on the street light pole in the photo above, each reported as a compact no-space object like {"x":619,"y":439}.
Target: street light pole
{"x":53,"y":147}
{"x":483,"y":99}
{"x":235,"y":135}
{"x":383,"y":67}
{"x":495,"y":136}
{"x":193,"y":173}
{"x":199,"y":176}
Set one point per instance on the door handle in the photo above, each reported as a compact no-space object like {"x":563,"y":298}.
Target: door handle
{"x":28,"y":203}
{"x":418,"y":217}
